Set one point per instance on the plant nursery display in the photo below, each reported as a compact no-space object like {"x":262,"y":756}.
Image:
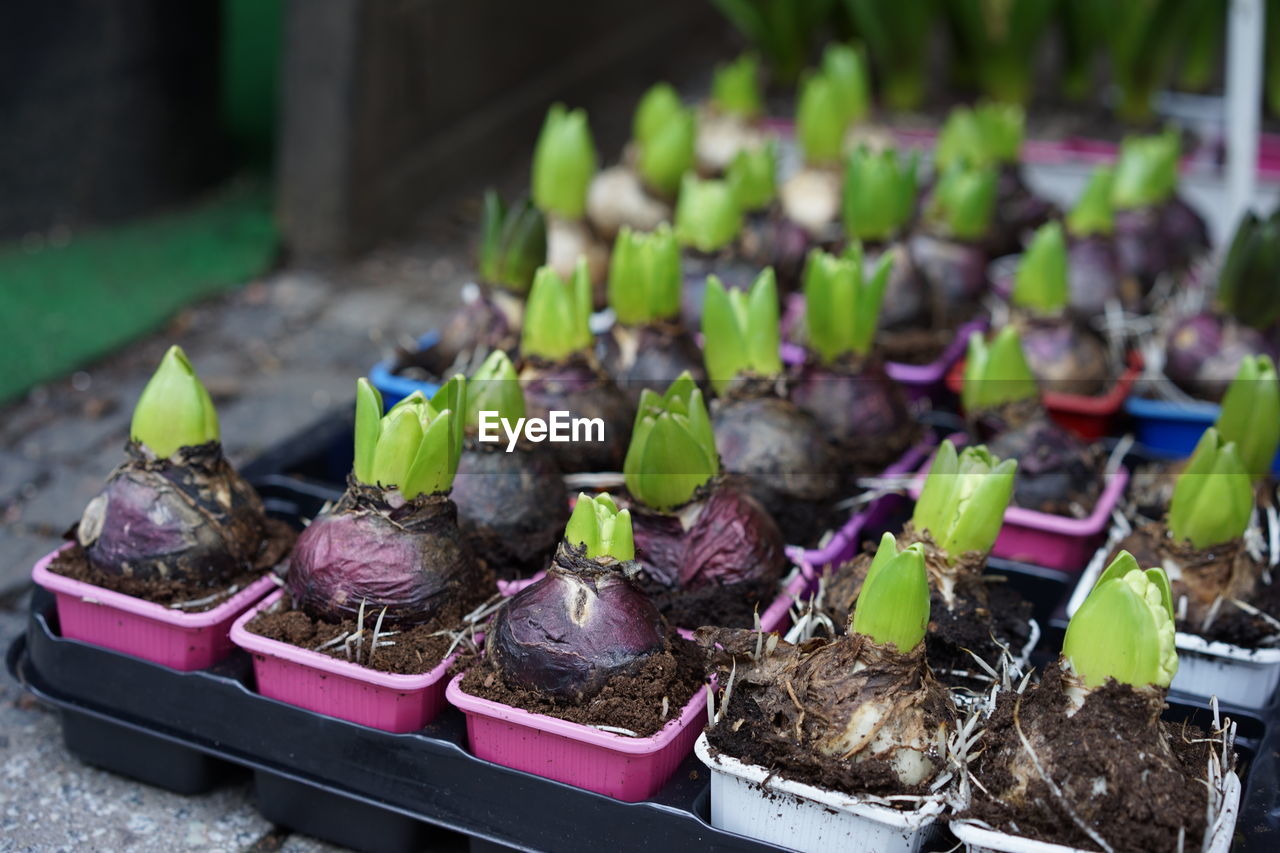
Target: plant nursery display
{"x":776,"y":448}
{"x":708,"y":552}
{"x":648,"y":344}
{"x":509,"y":492}
{"x":559,"y":371}
{"x":390,"y":554}
{"x":584,"y":643}
{"x":1082,"y":758}
{"x":1057,"y":472}
{"x":954,"y":524}
{"x":174,"y":524}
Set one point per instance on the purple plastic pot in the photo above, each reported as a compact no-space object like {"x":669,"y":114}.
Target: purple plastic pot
{"x":1044,"y":539}
{"x":338,"y":688}
{"x":154,"y":632}
{"x":920,"y":381}
{"x":626,"y":768}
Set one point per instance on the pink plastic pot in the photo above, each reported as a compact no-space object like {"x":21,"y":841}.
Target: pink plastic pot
{"x":625,"y":768}
{"x":511,"y":587}
{"x":154,"y":632}
{"x":339,"y":688}
{"x":1052,"y":541}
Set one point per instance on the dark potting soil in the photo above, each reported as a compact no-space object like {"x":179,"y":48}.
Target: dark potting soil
{"x":732,"y":606}
{"x":1151,"y":545}
{"x":71,"y":562}
{"x":915,"y":346}
{"x":642,"y":702}
{"x":1147,"y":798}
{"x":416,"y":650}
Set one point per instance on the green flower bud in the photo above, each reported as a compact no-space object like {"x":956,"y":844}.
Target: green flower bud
{"x":986,"y":136}
{"x":893,"y":606}
{"x":964,"y":498}
{"x":1094,"y":213}
{"x":1147,"y":171}
{"x":996,"y":373}
{"x":658,"y":107}
{"x":564,"y":163}
{"x":879,"y":194}
{"x":604,"y":529}
{"x":1250,"y":416}
{"x":494,"y":387}
{"x":673,"y":449}
{"x":741,"y":330}
{"x":846,"y":70}
{"x":1125,"y":629}
{"x":752,"y":174}
{"x":1250,"y":270}
{"x":842,"y":305}
{"x":735,"y":88}
{"x":513,"y":243}
{"x":1213,"y":496}
{"x":557,"y":315}
{"x":708,"y":216}
{"x":414,"y":446}
{"x":820,"y":121}
{"x":668,"y":153}
{"x":644,"y":276}
{"x":963,"y":202}
{"x":175,"y":409}
{"x":1040,"y":284}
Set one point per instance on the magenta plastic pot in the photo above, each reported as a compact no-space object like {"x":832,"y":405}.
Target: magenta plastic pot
{"x":920,"y":381}
{"x":338,"y":688}
{"x":509,"y":588}
{"x":625,"y":768}
{"x":1044,"y":539}
{"x":847,"y":540}
{"x":154,"y":632}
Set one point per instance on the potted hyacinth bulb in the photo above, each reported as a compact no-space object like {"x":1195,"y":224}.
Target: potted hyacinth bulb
{"x":729,"y":122}
{"x":877,"y":206}
{"x":513,"y":244}
{"x":830,"y":101}
{"x":842,"y":383}
{"x":708,"y":227}
{"x":174,"y":524}
{"x":581,"y":661}
{"x":1156,"y":231}
{"x":391,"y":547}
{"x":560,"y":372}
{"x":1062,"y":350}
{"x":1148,"y":788}
{"x":989,"y":136}
{"x":509,"y":491}
{"x":647,"y":344}
{"x":638,"y":193}
{"x":855,"y":719}
{"x":709,"y":553}
{"x":564,"y":164}
{"x":768,"y":238}
{"x":776,"y":448}
{"x":1204,"y":350}
{"x":1059,"y":473}
{"x":1095,"y":278}
{"x":955,"y":524}
{"x":952,"y":247}
{"x":175,"y":546}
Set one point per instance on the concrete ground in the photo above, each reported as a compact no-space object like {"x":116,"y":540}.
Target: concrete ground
{"x":275,"y":356}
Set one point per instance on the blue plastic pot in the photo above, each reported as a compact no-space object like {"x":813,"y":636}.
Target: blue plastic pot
{"x":395,"y":388}
{"x":1173,"y":429}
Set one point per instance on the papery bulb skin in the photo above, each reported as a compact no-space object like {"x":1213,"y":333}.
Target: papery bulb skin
{"x":1018,"y":210}
{"x":781,"y":456}
{"x":584,"y":391}
{"x":188,"y":518}
{"x":1184,"y":229}
{"x":957,"y":277}
{"x":651,"y":356}
{"x":1057,"y":472}
{"x":1095,"y":278}
{"x":1203,"y":353}
{"x":733,"y":271}
{"x":907,"y":303}
{"x":568,"y":634}
{"x":1066,"y":356}
{"x":489,"y":322}
{"x":511,"y":505}
{"x":377,"y":548}
{"x":771,"y":240}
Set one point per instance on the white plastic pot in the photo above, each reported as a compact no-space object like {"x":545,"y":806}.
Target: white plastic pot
{"x":748,"y":800}
{"x":979,"y":839}
{"x":1246,"y":678}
